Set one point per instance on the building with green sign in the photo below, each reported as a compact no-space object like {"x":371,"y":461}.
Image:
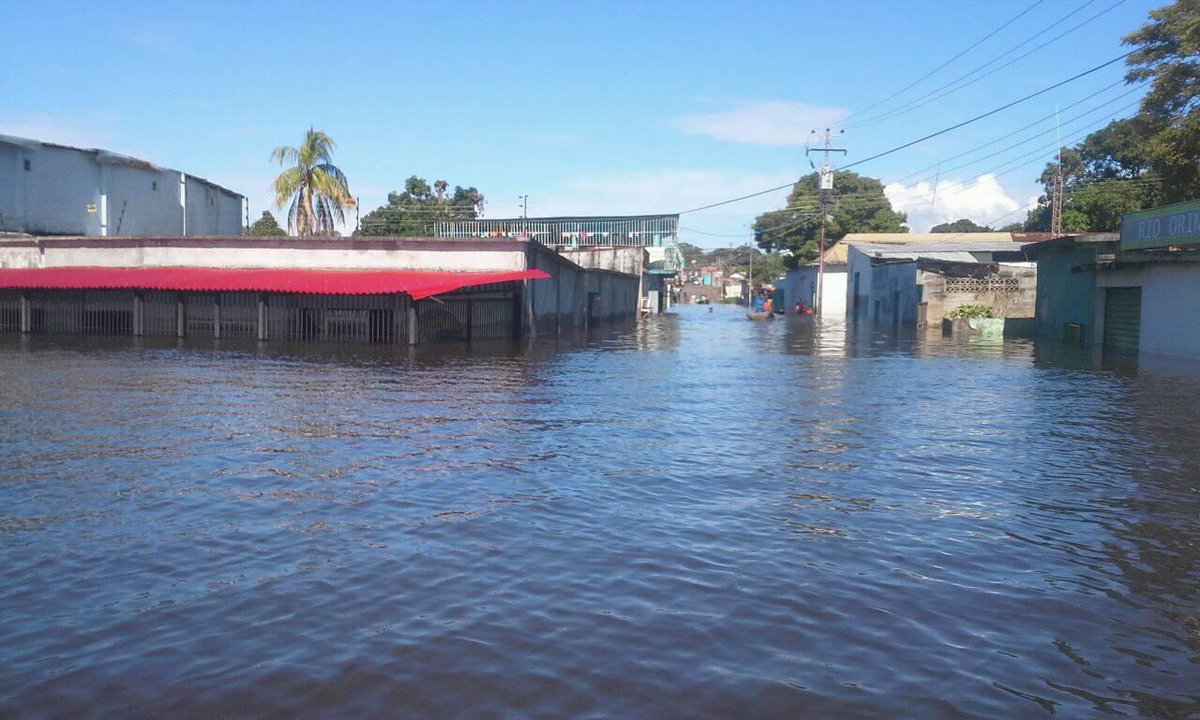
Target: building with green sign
{"x":1133,"y":292}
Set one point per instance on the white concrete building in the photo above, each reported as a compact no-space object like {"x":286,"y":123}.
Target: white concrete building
{"x":49,"y":189}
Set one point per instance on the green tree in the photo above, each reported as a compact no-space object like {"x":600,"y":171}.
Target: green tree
{"x":1104,"y":176}
{"x":856,"y":204}
{"x":960,"y":226}
{"x":1168,"y":55}
{"x":315,"y":187}
{"x":266,"y":226}
{"x":768,"y":267}
{"x":415,"y":211}
{"x":690,"y":252}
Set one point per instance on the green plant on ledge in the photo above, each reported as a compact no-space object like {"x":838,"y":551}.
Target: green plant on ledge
{"x":972,"y":310}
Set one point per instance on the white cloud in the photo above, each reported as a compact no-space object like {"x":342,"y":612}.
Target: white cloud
{"x":764,"y":122}
{"x":985,"y":201}
{"x":554,"y":138}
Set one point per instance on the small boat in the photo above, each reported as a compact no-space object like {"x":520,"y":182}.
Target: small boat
{"x":760,"y":316}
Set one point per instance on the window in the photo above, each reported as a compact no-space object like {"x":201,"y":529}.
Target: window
{"x":28,"y":165}
{"x":154,"y":186}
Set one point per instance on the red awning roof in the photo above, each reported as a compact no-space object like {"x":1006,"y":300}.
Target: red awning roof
{"x":418,"y":284}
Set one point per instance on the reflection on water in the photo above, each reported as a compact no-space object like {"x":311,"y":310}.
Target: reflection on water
{"x":696,"y":516}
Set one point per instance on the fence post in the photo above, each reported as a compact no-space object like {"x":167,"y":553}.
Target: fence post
{"x":139,"y":323}
{"x":180,"y":317}
{"x":262,"y":317}
{"x":217,"y":316}
{"x":26,"y":314}
{"x":414,"y":334}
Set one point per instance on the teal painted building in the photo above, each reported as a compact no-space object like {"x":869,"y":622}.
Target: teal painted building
{"x":1066,"y":290}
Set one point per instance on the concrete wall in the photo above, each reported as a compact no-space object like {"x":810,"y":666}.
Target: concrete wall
{"x":1171,"y":310}
{"x":801,"y":284}
{"x":876,"y":286}
{"x":143,"y":201}
{"x":53,"y":195}
{"x":1170,"y":306}
{"x":231,"y":252}
{"x":1064,"y":296}
{"x":211,"y":210}
{"x":1020,"y":303}
{"x":893,"y":293}
{"x":628,"y":260}
{"x":128,"y":197}
{"x":575,"y":298}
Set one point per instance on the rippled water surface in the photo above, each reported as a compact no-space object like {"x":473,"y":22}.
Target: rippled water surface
{"x":699,"y":517}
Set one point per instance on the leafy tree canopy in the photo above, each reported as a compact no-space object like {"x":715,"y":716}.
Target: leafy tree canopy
{"x":267,"y":226}
{"x":1104,"y":176}
{"x":856,"y":204}
{"x":1150,"y":159}
{"x":960,"y":226}
{"x":1167,"y":53}
{"x":414,"y":211}
{"x":315,"y":187}
{"x":690,"y":252}
{"x":768,"y":267}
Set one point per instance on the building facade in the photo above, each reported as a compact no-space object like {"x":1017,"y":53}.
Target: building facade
{"x":1137,"y":292}
{"x":49,"y":189}
{"x":379,"y":290}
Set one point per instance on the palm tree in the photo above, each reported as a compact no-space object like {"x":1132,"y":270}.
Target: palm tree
{"x":315,"y":186}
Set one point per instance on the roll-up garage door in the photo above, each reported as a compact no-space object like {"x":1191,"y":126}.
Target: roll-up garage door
{"x":1122,"y":318}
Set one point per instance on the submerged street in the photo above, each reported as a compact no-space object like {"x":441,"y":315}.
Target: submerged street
{"x":697,"y":516}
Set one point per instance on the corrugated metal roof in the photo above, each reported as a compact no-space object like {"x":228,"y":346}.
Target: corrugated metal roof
{"x":839,"y":253}
{"x":318,"y":282}
{"x":109,"y":157}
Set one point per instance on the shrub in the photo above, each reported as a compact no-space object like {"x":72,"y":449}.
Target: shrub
{"x":972,"y":310}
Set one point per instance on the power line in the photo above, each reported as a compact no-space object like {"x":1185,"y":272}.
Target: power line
{"x":1032,"y":124}
{"x":917,"y":104}
{"x":989,"y":113}
{"x":861,"y":200}
{"x":934,"y":71}
{"x":930,"y":136}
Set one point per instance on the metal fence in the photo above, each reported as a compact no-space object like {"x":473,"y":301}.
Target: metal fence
{"x":485,"y":312}
{"x":652,"y":231}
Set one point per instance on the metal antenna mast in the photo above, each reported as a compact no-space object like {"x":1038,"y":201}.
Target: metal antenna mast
{"x":824,"y":187}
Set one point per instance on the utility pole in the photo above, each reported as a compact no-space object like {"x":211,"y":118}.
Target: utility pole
{"x":524,"y":206}
{"x":1056,"y":200}
{"x":824,"y":187}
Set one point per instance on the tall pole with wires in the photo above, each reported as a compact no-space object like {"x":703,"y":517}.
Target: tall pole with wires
{"x":1056,"y":200}
{"x":824,"y":187}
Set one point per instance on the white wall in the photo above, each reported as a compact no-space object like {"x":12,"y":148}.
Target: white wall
{"x":1170,"y":306}
{"x":211,"y":211}
{"x":137,"y":208}
{"x":52,"y":197}
{"x":1171,"y":310}
{"x":801,"y":284}
{"x":12,"y":195}
{"x":256,"y":253}
{"x":58,"y":188}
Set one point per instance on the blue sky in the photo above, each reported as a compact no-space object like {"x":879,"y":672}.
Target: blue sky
{"x":593,"y":107}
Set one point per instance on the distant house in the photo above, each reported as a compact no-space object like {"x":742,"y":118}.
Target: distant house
{"x":735,"y":286}
{"x":917,"y":283}
{"x":855,"y":281}
{"x":1133,"y":292}
{"x":49,"y":189}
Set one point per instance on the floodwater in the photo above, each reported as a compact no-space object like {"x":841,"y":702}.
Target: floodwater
{"x":697,"y":517}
